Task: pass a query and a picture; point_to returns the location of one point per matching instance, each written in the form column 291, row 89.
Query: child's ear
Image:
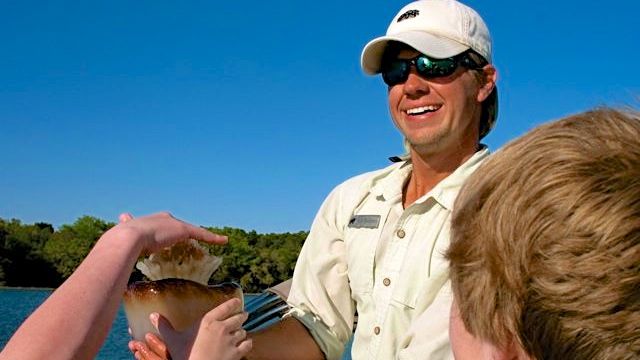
column 513, row 351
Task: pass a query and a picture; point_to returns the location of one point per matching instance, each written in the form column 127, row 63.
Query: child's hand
column 218, row 335
column 160, row 230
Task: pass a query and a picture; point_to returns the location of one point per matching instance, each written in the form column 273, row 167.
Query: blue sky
column 247, row 113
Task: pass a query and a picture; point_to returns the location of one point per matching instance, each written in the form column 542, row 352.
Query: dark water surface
column 17, row 304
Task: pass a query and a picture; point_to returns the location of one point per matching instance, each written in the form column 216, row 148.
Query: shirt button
column 400, row 233
column 376, row 330
column 386, row 281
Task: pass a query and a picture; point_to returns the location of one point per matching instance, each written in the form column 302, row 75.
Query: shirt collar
column 389, row 184
column 446, row 191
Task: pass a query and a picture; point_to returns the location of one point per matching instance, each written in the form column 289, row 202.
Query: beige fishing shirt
column 366, row 253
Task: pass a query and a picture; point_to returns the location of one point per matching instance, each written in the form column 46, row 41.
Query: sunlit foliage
column 37, row 255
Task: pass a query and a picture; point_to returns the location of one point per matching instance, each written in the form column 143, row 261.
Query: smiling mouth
column 423, row 110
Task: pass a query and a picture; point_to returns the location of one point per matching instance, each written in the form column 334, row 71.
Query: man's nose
column 415, row 84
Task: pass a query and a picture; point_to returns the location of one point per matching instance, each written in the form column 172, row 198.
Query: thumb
column 163, row 325
column 178, row 344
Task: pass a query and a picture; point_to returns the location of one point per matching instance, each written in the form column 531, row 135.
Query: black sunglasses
column 397, row 71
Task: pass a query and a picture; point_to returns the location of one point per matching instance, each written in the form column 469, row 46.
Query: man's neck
column 429, row 169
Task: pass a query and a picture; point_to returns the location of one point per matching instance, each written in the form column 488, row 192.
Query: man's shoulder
column 351, row 192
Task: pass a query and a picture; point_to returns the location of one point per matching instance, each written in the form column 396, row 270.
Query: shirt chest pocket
column 425, row 268
column 417, row 287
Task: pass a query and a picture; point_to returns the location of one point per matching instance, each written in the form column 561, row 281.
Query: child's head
column 545, row 251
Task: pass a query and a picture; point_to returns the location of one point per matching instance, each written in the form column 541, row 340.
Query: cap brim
column 424, row 42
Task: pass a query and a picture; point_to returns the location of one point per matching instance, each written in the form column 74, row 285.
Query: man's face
column 440, row 114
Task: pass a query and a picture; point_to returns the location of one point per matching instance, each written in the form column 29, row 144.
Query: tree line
column 37, row 255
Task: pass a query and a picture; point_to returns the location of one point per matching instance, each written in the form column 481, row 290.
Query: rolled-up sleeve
column 320, row 295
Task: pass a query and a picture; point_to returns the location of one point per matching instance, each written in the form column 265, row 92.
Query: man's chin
column 426, row 145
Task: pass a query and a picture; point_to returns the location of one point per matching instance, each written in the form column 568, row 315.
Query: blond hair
column 545, row 244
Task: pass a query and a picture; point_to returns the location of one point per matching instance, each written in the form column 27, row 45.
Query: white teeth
column 422, row 109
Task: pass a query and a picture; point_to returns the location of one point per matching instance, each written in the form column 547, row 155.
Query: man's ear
column 488, row 82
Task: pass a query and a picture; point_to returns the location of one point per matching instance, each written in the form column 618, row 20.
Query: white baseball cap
column 437, row 28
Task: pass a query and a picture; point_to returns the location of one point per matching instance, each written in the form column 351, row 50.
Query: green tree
column 71, row 243
column 4, row 258
column 37, row 255
column 237, row 257
column 278, row 254
column 21, row 258
column 256, row 261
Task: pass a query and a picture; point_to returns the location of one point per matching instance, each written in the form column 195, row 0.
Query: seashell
column 187, row 260
column 177, row 288
column 181, row 301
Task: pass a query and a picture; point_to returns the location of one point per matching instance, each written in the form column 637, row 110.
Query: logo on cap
column 408, row 15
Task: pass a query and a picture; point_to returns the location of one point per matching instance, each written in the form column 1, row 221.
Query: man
column 545, row 249
column 376, row 245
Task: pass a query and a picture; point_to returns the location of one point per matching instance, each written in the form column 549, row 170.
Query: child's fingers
column 165, row 329
column 238, row 335
column 235, row 322
column 245, row 346
column 223, row 311
column 124, row 217
column 198, row 233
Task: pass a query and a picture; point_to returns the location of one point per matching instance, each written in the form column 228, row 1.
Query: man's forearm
column 286, row 340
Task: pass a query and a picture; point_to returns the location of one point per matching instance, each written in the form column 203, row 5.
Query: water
column 17, row 304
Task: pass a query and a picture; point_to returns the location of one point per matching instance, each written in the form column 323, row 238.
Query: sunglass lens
column 424, row 66
column 396, row 72
column 431, row 68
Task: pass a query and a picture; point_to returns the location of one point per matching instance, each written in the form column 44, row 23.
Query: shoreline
column 25, row 288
